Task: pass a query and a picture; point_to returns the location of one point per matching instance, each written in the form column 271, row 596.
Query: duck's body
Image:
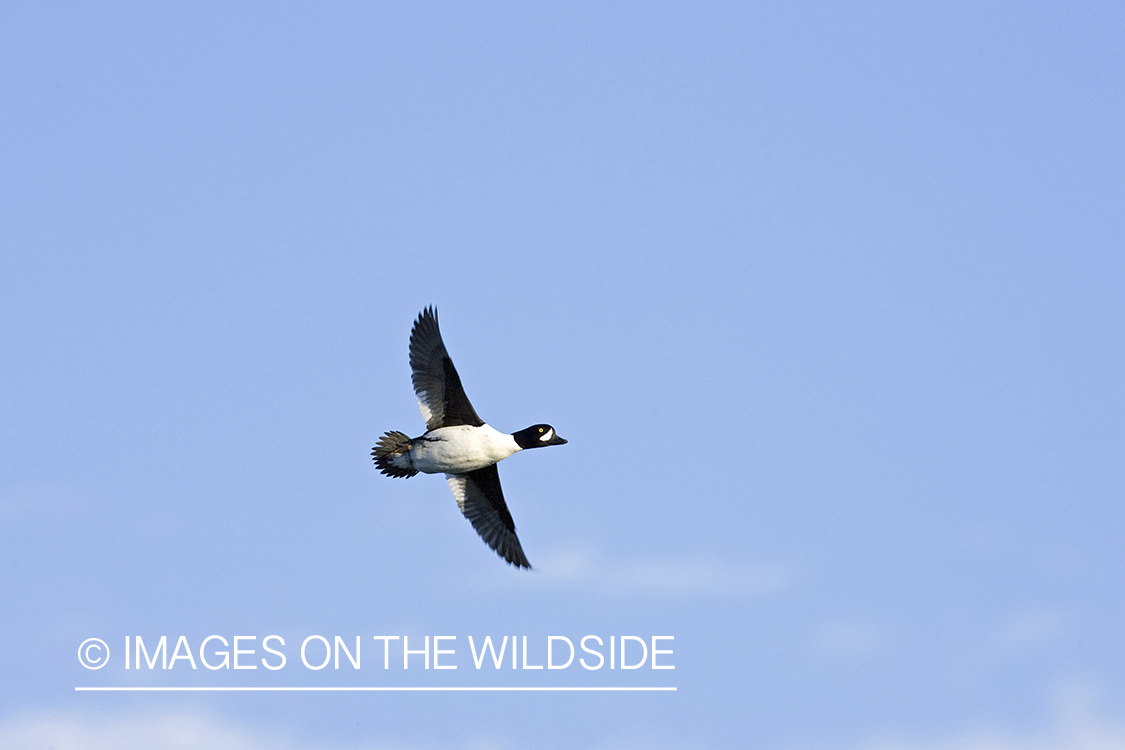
column 458, row 443
column 455, row 450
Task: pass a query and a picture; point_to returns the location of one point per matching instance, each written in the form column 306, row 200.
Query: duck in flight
column 458, row 443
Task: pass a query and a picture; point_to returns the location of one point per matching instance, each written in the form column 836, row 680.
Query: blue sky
column 827, row 300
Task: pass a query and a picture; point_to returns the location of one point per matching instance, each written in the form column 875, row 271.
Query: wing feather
column 441, row 398
column 481, row 500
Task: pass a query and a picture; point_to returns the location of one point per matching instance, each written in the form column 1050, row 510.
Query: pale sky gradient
column 828, row 300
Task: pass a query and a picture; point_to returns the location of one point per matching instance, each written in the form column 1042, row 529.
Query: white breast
column 456, row 450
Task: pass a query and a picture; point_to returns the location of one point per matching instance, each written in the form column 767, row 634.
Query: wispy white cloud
column 1076, row 727
column 1088, row 738
column 685, row 576
column 1014, row 637
column 159, row 731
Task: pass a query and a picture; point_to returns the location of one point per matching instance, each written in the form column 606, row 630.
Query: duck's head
column 537, row 436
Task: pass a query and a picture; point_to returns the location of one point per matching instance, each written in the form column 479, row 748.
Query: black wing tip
column 519, row 564
column 511, row 550
column 512, row 554
column 425, row 338
column 504, row 543
column 426, row 321
column 428, row 314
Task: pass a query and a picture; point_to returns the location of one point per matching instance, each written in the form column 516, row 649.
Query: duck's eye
column 540, row 429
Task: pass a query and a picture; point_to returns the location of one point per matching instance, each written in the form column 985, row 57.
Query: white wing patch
column 457, row 484
column 427, row 412
column 547, row 435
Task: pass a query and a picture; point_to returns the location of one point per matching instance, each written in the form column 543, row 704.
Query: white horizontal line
column 377, row 689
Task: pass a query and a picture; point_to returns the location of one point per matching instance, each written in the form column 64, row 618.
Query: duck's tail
column 389, row 454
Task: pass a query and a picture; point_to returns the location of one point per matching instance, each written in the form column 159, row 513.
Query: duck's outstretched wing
column 441, row 398
column 480, row 498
